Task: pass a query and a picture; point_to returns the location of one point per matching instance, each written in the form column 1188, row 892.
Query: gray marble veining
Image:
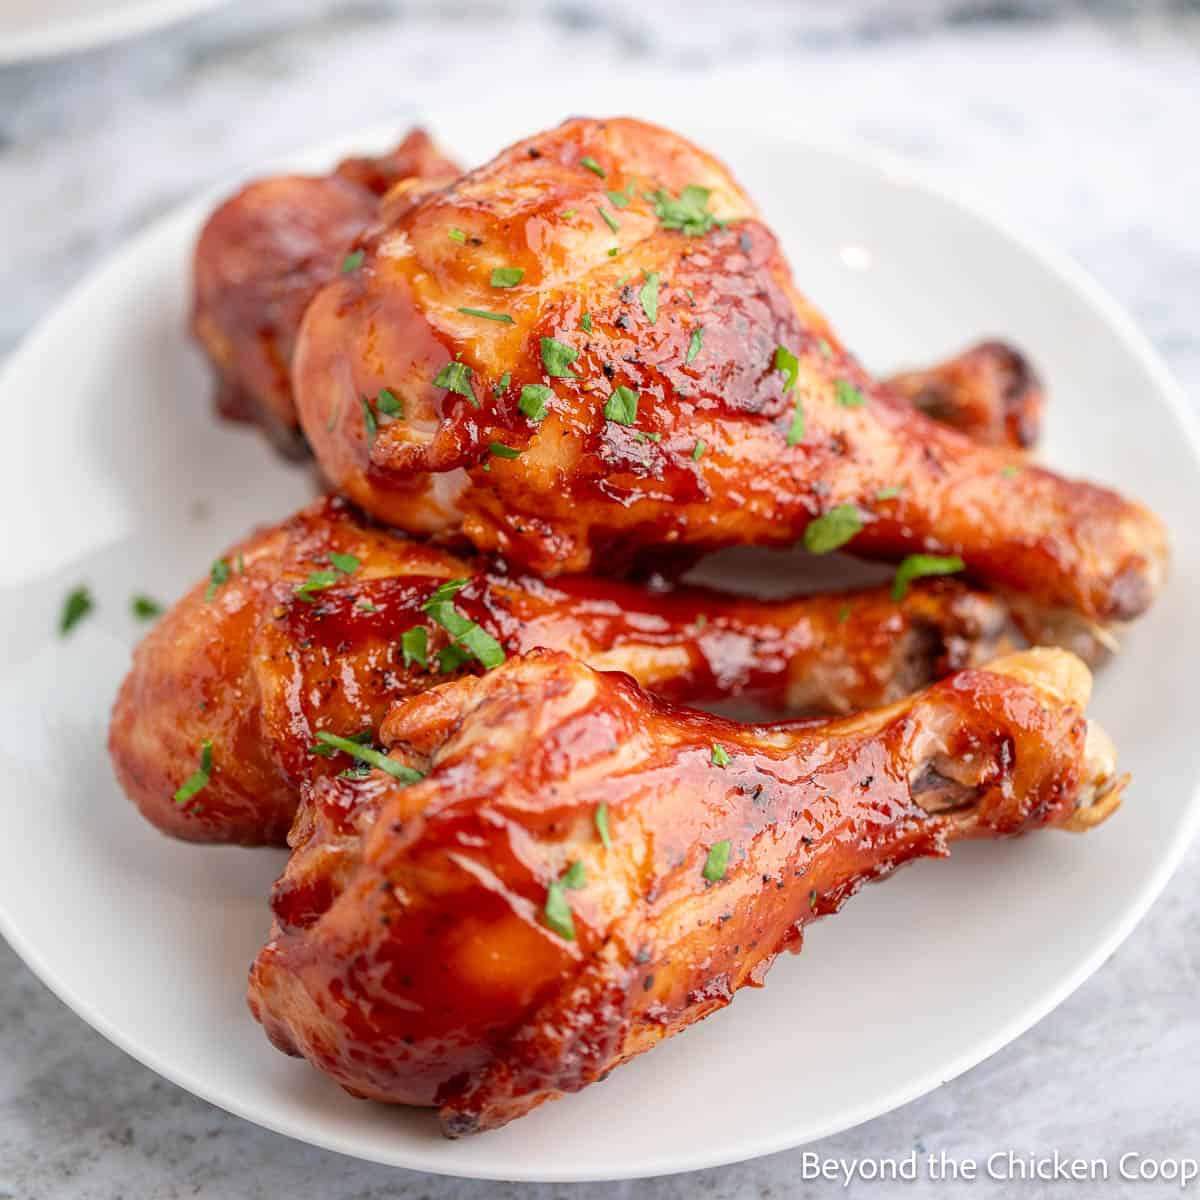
column 1079, row 119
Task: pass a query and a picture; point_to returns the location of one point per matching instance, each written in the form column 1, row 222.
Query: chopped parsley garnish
column 558, row 911
column 506, row 277
column 698, row 449
column 833, row 529
column 689, row 213
column 346, row 563
column 786, row 362
column 614, row 252
column 365, row 605
column 585, row 322
column 369, row 422
column 609, row 219
column 389, row 403
column 643, row 436
column 695, row 345
column 592, row 165
column 619, row 199
column 533, row 401
column 352, row 262
column 487, row 315
column 568, row 213
column 917, row 566
column 197, row 781
column 1011, row 470
column 843, row 614
column 889, row 493
column 414, row 645
column 456, row 377
column 812, row 899
column 502, row 383
column 317, row 581
column 218, row 574
column 848, row 396
column 364, row 737
column 77, row 605
column 451, row 657
column 720, row 756
column 469, row 636
column 717, row 862
column 557, row 358
column 370, row 756
column 622, row 406
column 334, row 409
column 145, row 608
column 575, row 876
column 602, row 826
column 825, row 348
column 500, row 450
column 649, row 296
column 457, row 235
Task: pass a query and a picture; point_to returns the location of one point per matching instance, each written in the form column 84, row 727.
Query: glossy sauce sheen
column 258, row 670
column 586, row 492
column 412, row 958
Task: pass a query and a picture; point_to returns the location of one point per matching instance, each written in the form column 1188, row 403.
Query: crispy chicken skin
column 437, row 944
column 257, row 669
column 687, row 302
column 264, row 253
column 990, row 392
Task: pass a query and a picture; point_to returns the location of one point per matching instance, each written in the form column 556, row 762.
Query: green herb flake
column 698, row 449
column 218, row 576
column 601, row 820
column 334, row 410
column 469, row 636
column 456, row 235
column 534, row 399
column 487, row 315
column 506, row 277
column 197, row 781
column 568, row 213
column 557, row 358
column 695, row 345
column 812, row 899
column 585, row 322
column 317, row 581
column 843, row 614
column 918, row 566
column 502, row 384
column 370, row 756
column 389, row 403
column 825, row 348
column 76, row 606
column 592, row 165
column 365, row 605
column 786, row 362
column 643, row 436
column 688, row 213
column 622, row 406
column 414, row 645
column 558, row 911
column 833, row 529
column 575, row 876
column 456, row 377
column 720, row 756
column 649, row 297
column 614, row 252
column 346, row 563
column 717, row 862
column 500, row 450
column 451, row 657
column 369, row 422
column 618, row 199
column 609, row 219
column 889, row 493
column 848, row 396
column 352, row 262
column 145, row 608
column 1011, row 470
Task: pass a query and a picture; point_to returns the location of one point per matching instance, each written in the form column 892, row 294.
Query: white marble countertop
column 1080, row 120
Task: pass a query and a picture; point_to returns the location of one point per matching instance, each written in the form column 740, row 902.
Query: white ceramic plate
column 114, row 472
column 39, row 28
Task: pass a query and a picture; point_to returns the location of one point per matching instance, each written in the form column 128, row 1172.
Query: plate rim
column 894, row 169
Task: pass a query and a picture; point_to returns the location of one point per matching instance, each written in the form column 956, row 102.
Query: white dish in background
column 39, row 28
column 114, row 471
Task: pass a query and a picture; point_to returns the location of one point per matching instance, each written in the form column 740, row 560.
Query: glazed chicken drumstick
column 325, row 621
column 265, row 252
column 590, row 353
column 577, row 870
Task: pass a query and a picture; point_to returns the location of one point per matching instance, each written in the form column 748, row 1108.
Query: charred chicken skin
column 306, row 632
column 265, row 252
column 604, row 305
column 262, row 256
column 580, row 870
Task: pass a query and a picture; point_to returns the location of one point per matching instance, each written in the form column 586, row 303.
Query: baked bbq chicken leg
column 265, row 252
column 590, row 353
column 262, row 256
column 578, row 870
column 325, row 621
